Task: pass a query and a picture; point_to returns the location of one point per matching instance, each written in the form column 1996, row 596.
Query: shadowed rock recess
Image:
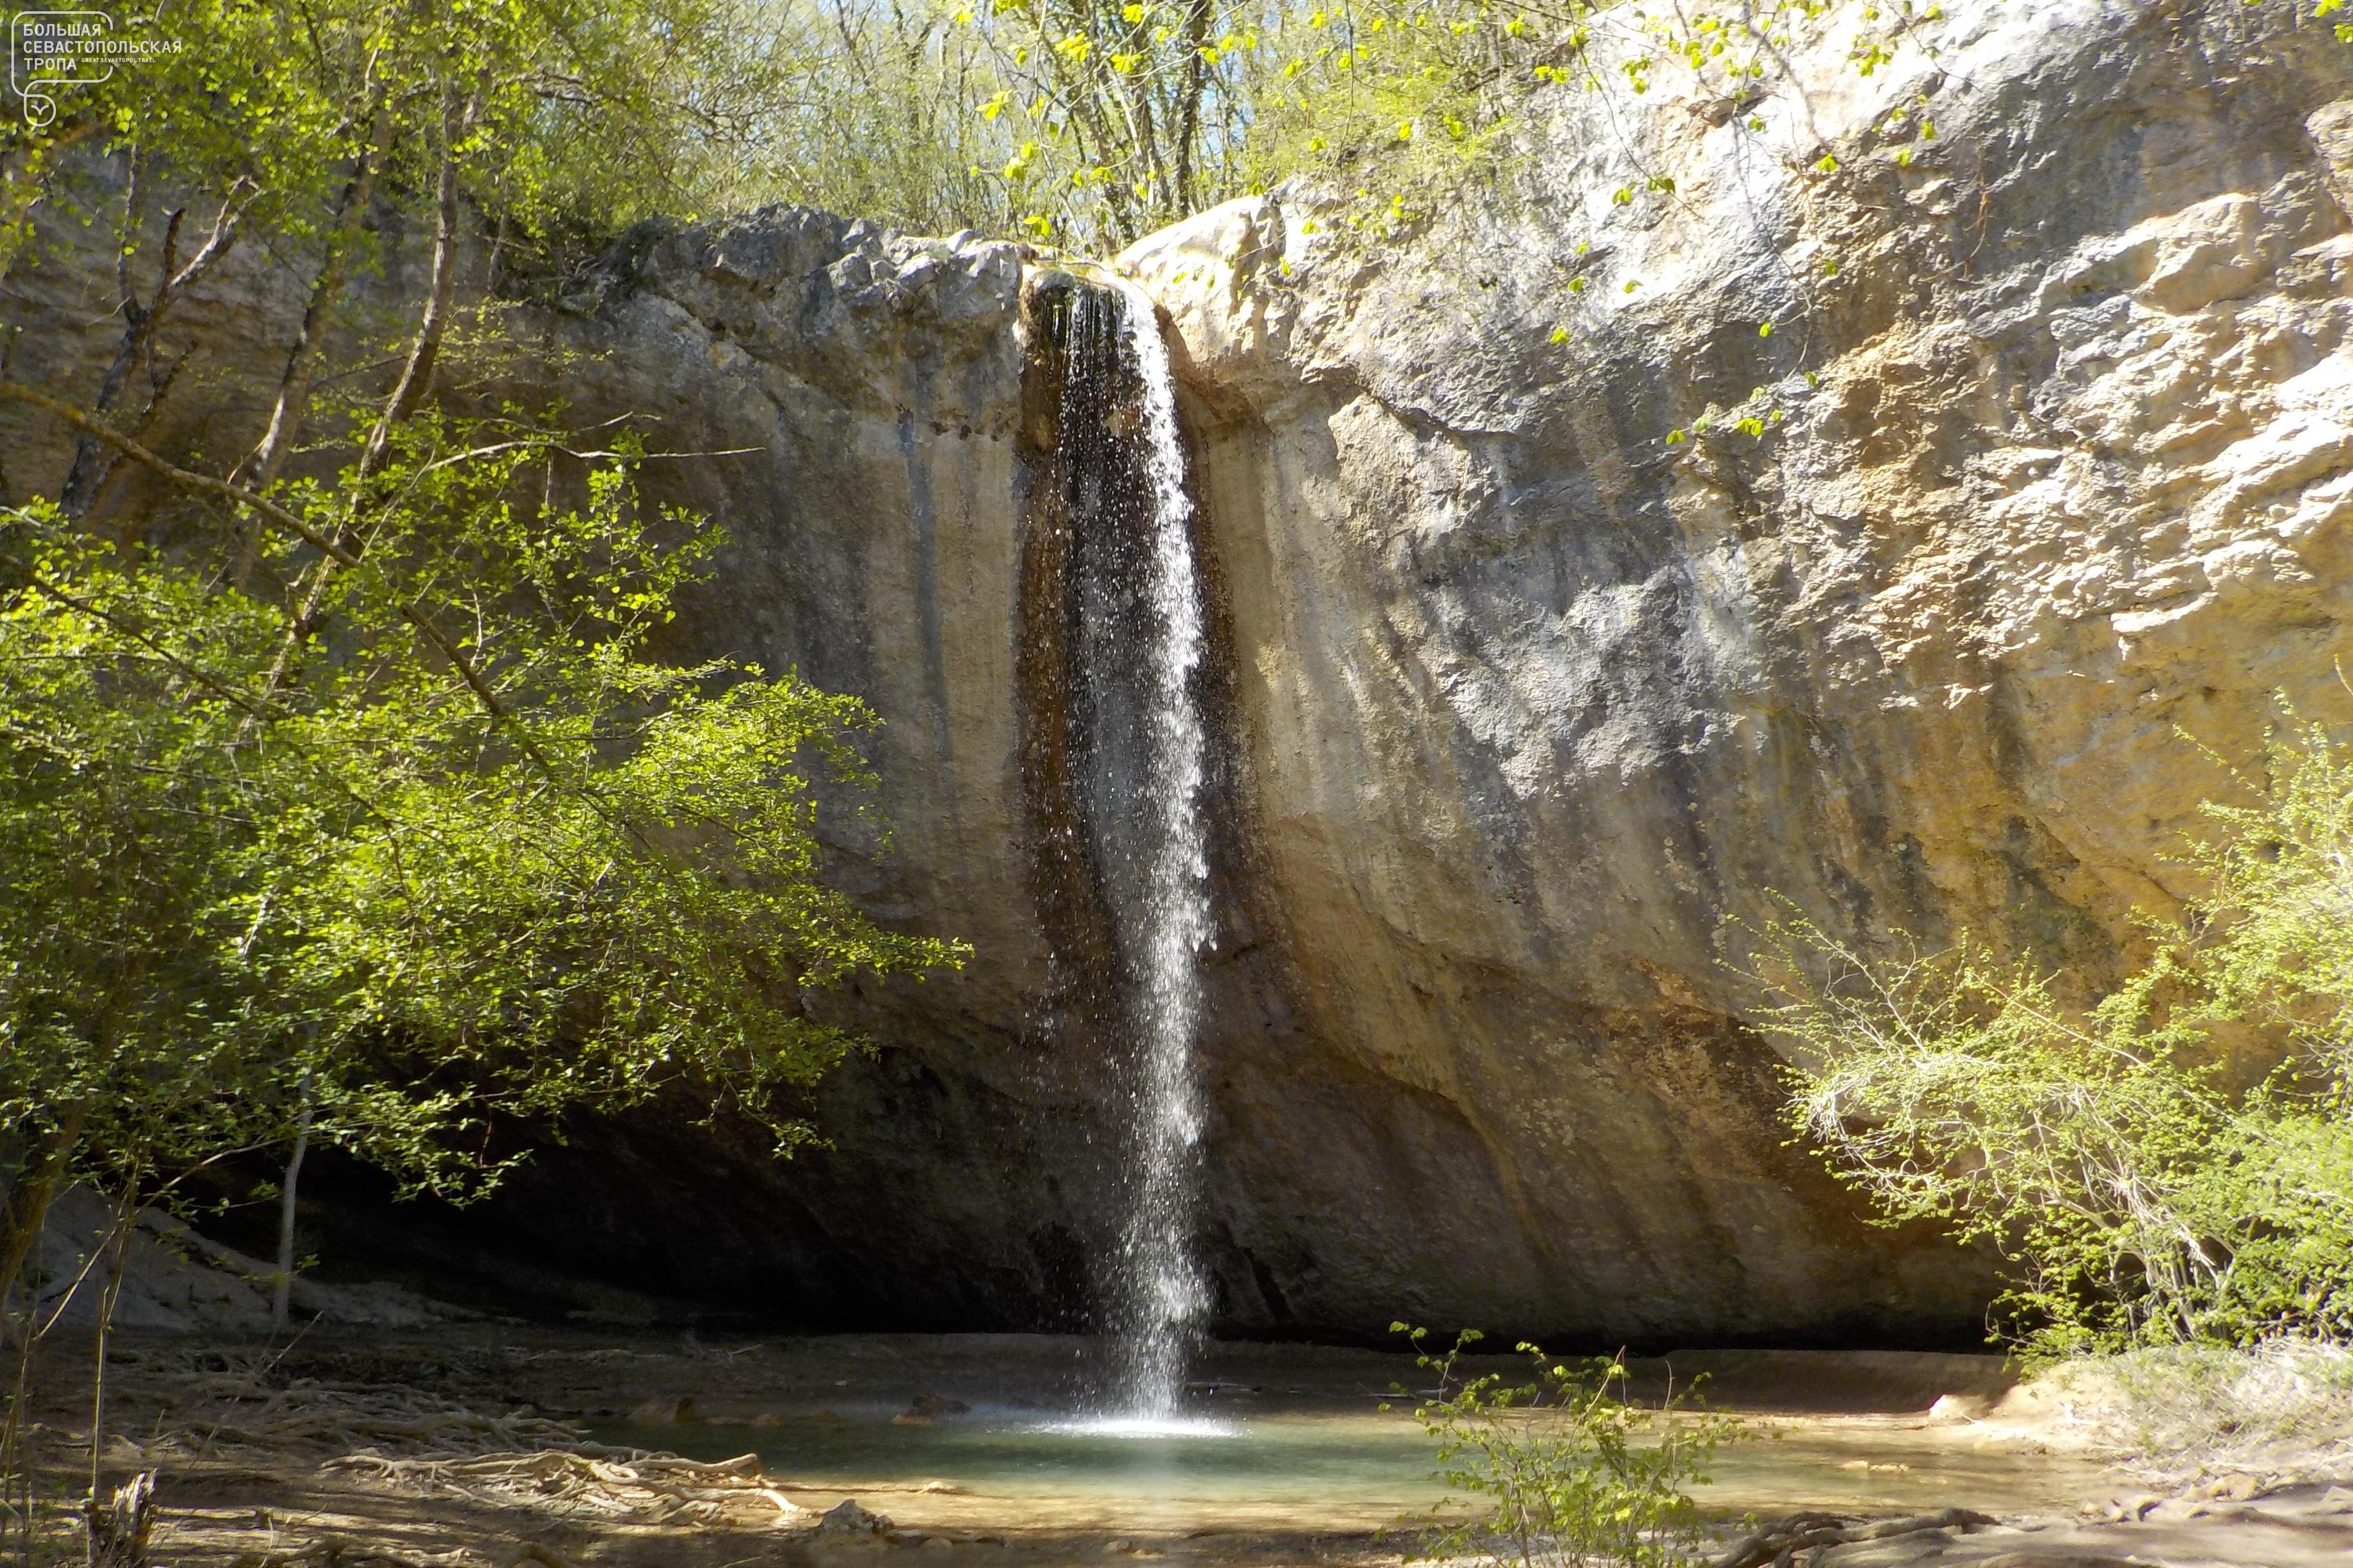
column 1514, row 702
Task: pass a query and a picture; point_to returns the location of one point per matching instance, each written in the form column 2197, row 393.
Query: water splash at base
column 1146, row 1426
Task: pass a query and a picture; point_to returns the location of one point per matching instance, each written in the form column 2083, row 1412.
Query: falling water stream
column 1139, row 642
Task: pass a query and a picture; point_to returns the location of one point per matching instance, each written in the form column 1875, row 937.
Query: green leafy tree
column 405, row 661
column 342, row 795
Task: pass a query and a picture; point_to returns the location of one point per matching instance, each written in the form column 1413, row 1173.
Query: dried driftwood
column 438, row 1446
column 586, row 1478
column 238, row 1409
column 1778, row 1545
column 429, row 1444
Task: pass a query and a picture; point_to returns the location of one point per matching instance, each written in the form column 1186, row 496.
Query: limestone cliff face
column 1410, row 1116
column 1536, row 695
column 1517, row 701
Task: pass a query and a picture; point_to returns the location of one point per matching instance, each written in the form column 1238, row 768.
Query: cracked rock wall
column 2052, row 489
column 1518, row 700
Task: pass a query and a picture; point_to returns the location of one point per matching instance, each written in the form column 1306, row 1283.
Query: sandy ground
column 487, row 1447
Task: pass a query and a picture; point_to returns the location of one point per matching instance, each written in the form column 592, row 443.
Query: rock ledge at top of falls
column 841, row 306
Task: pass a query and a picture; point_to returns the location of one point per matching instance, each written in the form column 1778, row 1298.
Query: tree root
column 1778, row 1545
column 327, row 1551
column 592, row 1478
column 237, row 1408
column 423, row 1442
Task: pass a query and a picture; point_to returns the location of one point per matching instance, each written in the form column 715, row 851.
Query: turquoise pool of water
column 1318, row 1453
column 1309, row 1462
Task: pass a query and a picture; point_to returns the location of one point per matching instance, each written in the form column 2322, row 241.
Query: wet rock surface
column 2309, row 1523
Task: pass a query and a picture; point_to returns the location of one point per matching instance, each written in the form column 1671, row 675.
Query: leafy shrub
column 1576, row 1472
column 2143, row 1198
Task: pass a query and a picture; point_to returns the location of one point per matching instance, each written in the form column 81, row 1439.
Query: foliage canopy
column 343, row 787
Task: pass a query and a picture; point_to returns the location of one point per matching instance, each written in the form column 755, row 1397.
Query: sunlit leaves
column 1570, row 1467
column 2141, row 1197
column 365, row 879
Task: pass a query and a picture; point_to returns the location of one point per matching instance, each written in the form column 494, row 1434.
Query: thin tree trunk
column 260, row 468
column 15, row 1444
column 93, row 460
column 286, row 416
column 282, row 1292
column 27, row 1209
column 1086, row 109
column 115, row 1531
column 27, row 1215
column 1140, row 117
column 415, row 378
column 118, row 1240
column 1188, row 115
column 416, row 374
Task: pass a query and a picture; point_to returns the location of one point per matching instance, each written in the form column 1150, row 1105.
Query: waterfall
column 1138, row 642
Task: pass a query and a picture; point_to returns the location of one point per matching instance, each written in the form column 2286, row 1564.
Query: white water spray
column 1169, row 1295
column 1138, row 645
